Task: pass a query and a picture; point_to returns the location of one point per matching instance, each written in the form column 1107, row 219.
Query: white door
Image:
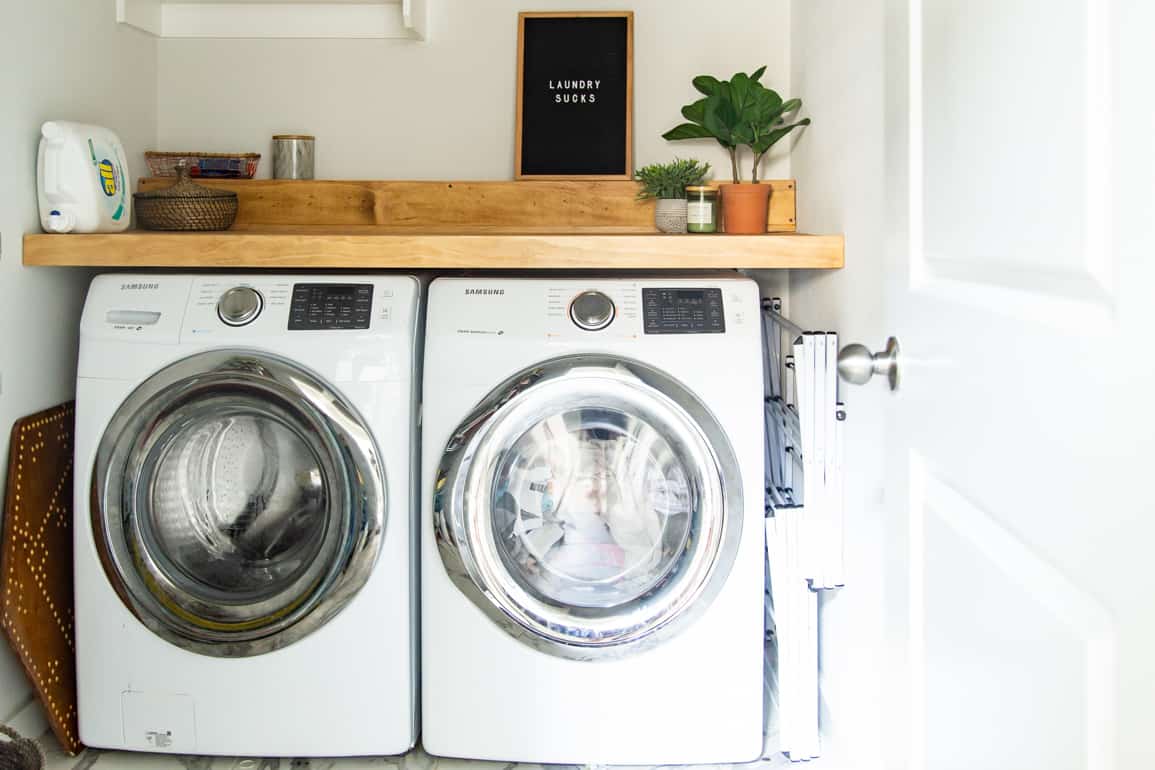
column 993, row 169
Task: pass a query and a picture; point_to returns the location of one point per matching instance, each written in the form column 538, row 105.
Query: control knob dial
column 592, row 311
column 240, row 305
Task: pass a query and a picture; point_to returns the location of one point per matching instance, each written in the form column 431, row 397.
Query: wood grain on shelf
column 456, row 225
column 451, row 248
column 569, row 205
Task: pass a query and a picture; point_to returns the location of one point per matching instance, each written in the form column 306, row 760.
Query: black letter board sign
column 575, row 92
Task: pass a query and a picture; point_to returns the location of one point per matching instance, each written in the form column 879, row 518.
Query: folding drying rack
column 804, row 445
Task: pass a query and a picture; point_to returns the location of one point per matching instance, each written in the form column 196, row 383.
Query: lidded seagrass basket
column 186, row 206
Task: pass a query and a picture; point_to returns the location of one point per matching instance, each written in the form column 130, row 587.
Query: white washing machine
column 245, row 575
column 592, row 535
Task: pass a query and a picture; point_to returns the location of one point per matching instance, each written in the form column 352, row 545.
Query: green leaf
column 756, row 75
column 717, row 127
column 790, row 106
column 744, row 134
column 769, row 140
column 707, row 84
column 725, row 92
column 767, row 105
column 696, row 112
column 740, row 91
column 687, row 131
column 778, row 116
column 721, row 119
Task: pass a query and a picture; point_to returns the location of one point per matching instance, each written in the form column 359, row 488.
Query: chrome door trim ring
column 465, row 542
column 359, row 508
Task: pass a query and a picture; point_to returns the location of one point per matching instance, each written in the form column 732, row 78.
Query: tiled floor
column 125, row 760
column 414, row 760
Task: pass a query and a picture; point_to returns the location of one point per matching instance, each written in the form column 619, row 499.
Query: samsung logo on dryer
column 485, row 292
column 139, row 286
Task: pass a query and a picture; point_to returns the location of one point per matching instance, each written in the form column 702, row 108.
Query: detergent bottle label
column 111, row 178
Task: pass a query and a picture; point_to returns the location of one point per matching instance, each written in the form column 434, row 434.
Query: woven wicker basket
column 186, row 206
column 19, row 753
column 204, row 164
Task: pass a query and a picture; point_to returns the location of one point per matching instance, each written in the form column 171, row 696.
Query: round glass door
column 591, row 508
column 239, row 503
column 583, row 506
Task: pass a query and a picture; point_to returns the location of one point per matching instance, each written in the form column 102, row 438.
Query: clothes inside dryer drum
column 238, row 506
column 591, row 508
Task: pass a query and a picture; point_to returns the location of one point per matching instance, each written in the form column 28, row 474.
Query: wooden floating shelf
column 569, row 224
column 370, row 249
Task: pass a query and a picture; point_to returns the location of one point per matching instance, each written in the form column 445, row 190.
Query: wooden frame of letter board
column 629, row 17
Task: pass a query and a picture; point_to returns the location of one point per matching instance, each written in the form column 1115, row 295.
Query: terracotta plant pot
column 744, row 208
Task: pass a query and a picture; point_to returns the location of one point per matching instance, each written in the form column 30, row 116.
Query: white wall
column 391, row 109
column 63, row 59
column 837, row 52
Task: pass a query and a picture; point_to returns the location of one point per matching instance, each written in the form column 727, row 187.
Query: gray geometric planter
column 670, row 215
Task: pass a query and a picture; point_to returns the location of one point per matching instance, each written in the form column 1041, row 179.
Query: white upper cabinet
column 405, row 19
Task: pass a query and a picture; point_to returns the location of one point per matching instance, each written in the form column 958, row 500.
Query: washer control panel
column 683, row 311
column 331, row 306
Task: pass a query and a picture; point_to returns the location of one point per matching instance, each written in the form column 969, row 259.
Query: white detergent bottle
column 83, row 179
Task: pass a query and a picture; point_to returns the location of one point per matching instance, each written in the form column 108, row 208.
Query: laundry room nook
column 442, row 384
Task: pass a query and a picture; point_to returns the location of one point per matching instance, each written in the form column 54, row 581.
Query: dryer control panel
column 694, row 310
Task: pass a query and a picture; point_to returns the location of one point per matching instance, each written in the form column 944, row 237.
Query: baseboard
column 28, row 719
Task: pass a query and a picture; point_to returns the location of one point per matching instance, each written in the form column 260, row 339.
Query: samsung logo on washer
column 485, row 292
column 139, row 286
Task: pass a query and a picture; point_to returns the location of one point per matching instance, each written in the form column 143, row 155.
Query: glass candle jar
column 702, row 209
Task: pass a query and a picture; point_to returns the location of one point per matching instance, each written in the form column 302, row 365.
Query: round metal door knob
column 857, row 365
column 240, row 305
column 592, row 311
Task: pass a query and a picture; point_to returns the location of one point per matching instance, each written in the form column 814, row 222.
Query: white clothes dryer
column 245, row 582
column 592, row 536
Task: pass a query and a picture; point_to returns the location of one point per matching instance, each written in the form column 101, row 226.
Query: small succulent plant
column 669, row 180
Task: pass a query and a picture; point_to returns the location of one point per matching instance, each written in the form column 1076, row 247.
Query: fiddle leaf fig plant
column 739, row 112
